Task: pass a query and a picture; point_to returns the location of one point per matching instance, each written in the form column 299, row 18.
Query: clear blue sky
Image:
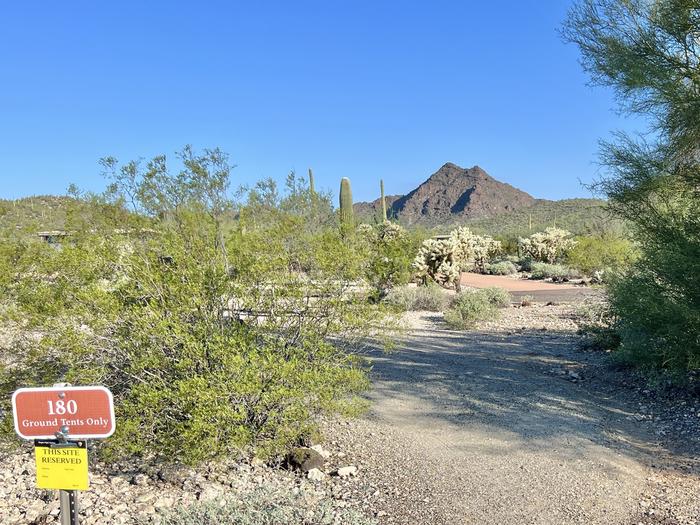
column 358, row 89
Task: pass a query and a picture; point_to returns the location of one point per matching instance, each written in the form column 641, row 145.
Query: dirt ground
column 513, row 424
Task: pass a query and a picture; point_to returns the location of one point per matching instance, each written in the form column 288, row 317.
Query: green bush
column 213, row 344
column 415, row 298
column 472, row 306
column 658, row 328
column 501, row 268
column 555, row 272
column 602, row 253
column 389, row 251
column 497, row 296
column 264, row 507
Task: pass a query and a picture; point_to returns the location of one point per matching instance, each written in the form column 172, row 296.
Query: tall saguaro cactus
column 347, row 220
column 381, row 188
column 312, row 187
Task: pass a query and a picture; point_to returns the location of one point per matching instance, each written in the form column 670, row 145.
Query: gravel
column 512, row 423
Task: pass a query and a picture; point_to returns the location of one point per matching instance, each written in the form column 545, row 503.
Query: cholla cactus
column 390, row 231
column 473, row 252
column 435, row 260
column 547, row 246
column 365, row 230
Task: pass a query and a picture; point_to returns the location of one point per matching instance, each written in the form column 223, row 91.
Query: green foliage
column 214, row 338
column 501, row 268
column 596, row 325
column 646, row 52
column 418, row 298
column 579, row 216
column 497, row 296
column 472, row 306
column 599, row 254
column 347, row 219
column 388, row 250
column 658, row 327
column 555, row 272
column 264, row 507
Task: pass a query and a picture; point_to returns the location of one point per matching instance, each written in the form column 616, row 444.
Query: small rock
column 320, row 450
column 315, row 475
column 305, row 459
column 345, row 472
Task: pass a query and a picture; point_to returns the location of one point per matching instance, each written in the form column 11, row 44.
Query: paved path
column 489, row 428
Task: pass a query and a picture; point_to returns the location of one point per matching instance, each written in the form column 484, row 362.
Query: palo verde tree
column 648, row 51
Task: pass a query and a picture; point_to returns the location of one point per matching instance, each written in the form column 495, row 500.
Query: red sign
column 79, row 411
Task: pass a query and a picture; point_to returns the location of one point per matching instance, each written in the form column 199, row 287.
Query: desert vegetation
column 211, row 320
column 646, row 52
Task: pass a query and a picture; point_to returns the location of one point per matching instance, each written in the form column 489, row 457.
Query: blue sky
column 361, row 89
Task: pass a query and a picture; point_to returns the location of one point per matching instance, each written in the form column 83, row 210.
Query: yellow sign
column 61, row 467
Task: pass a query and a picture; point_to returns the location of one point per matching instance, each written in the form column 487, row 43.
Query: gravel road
column 512, row 424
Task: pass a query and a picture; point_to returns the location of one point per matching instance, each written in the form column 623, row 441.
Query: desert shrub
column 414, row 298
column 548, row 246
column 213, row 343
column 509, row 245
column 501, row 268
column 658, row 328
column 264, row 507
column 596, row 324
column 601, row 254
column 497, row 296
column 556, row 272
column 472, row 306
column 389, row 250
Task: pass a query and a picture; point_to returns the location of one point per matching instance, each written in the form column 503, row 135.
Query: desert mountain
column 452, row 193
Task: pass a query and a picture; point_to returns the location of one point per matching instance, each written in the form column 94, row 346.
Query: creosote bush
column 472, row 306
column 501, row 268
column 415, row 298
column 555, row 272
column 388, row 251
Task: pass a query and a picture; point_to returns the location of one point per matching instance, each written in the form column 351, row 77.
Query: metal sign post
column 69, row 507
column 68, row 499
column 59, row 419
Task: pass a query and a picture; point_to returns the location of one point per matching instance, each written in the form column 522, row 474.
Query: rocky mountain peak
column 453, row 192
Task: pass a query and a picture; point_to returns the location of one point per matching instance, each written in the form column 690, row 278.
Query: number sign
column 85, row 411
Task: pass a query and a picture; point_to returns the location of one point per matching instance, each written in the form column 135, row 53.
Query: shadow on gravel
column 510, row 384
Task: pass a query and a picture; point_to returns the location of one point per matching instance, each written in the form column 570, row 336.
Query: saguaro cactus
column 312, row 188
column 381, row 187
column 347, row 219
